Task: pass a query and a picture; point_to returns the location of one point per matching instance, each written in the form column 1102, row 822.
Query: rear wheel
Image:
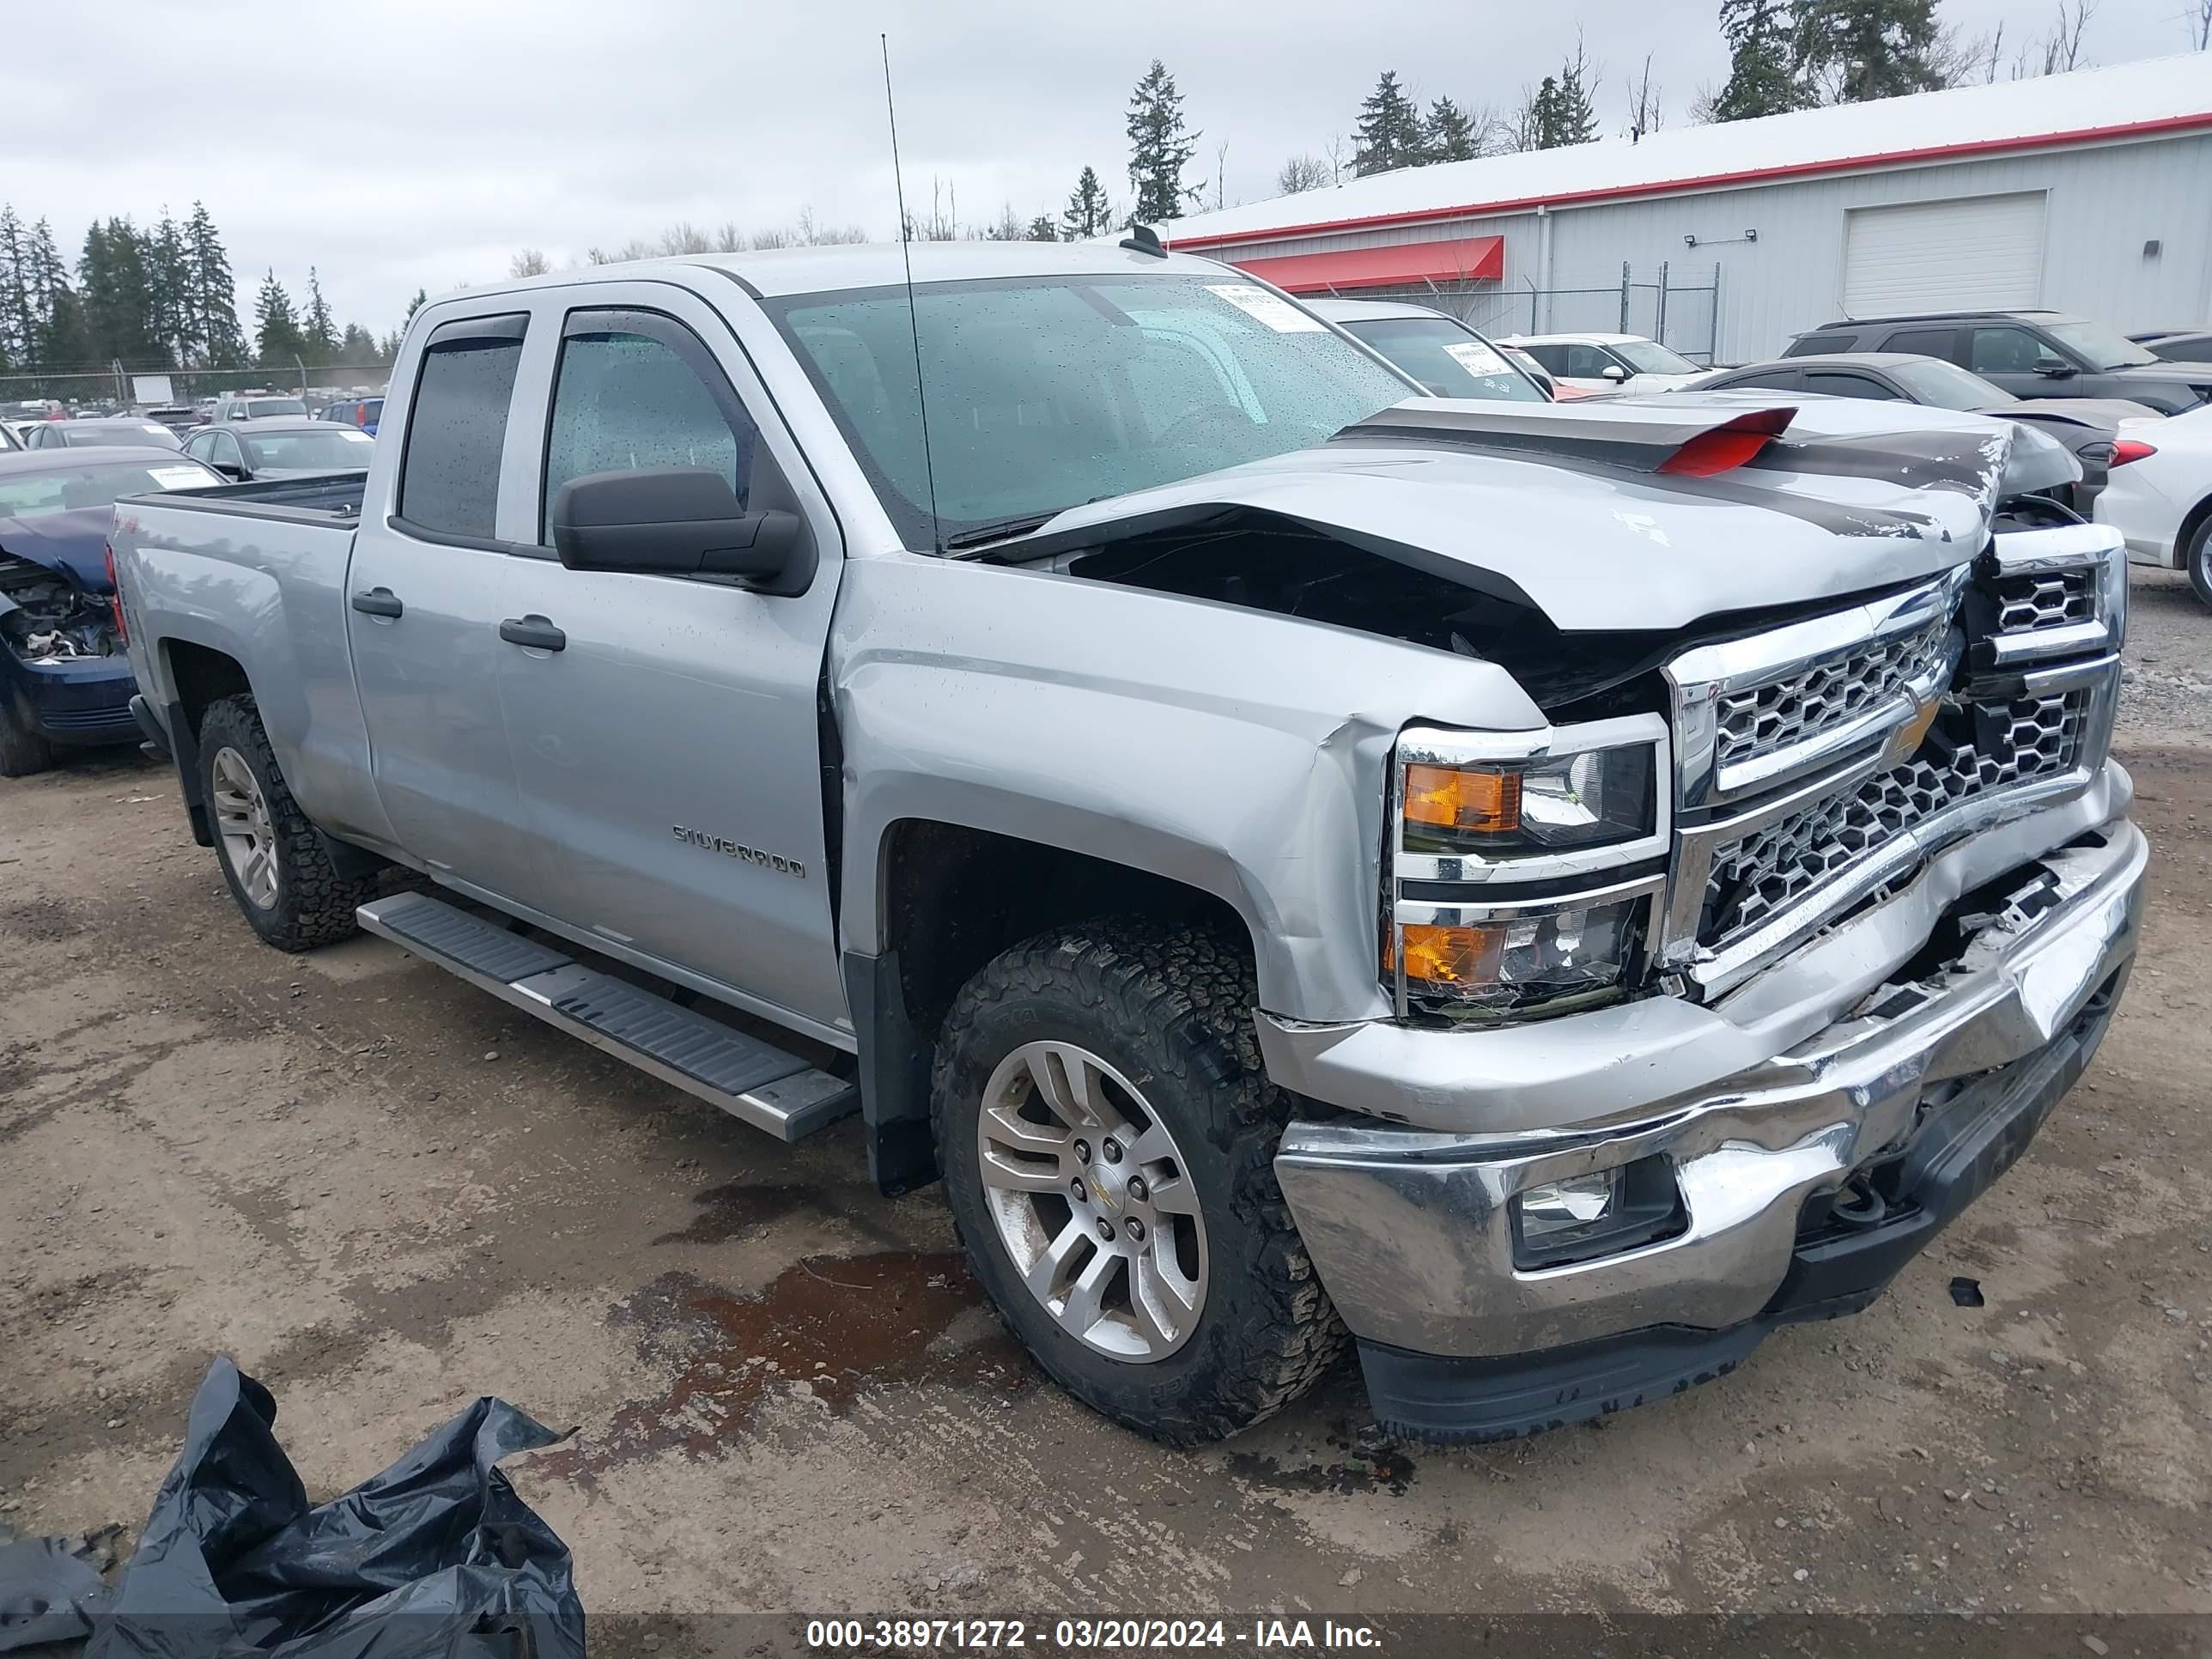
column 1108, row 1138
column 272, row 859
column 2200, row 561
column 22, row 751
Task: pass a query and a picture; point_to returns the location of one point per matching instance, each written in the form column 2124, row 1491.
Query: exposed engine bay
column 45, row 617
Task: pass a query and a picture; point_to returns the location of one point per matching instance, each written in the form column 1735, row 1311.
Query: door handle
column 534, row 631
column 378, row 601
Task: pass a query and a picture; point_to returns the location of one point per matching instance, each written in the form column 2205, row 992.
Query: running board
column 746, row 1078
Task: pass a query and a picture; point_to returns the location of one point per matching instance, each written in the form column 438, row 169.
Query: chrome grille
column 1761, row 874
column 1760, row 721
column 2051, row 598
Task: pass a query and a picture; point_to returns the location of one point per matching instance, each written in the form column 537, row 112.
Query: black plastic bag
column 434, row 1558
column 47, row 1592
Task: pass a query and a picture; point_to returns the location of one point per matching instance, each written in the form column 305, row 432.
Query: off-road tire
column 2199, row 560
column 314, row 904
column 22, row 752
column 1171, row 1009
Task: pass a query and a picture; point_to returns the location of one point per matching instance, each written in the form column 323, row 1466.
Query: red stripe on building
column 1708, row 181
column 1465, row 258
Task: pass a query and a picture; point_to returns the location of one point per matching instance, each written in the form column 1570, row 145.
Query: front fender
column 1235, row 752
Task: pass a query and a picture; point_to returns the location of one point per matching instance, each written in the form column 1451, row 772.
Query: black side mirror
column 2056, row 368
column 668, row 521
column 230, row 470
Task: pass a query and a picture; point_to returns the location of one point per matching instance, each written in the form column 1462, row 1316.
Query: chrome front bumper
column 1768, row 1098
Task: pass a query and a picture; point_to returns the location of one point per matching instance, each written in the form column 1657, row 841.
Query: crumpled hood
column 74, row 544
column 1855, row 495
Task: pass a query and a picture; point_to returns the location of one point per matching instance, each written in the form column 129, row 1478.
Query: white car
column 1607, row 362
column 2161, row 494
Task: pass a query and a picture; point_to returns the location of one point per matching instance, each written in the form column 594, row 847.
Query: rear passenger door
column 1942, row 342
column 426, row 593
column 669, row 750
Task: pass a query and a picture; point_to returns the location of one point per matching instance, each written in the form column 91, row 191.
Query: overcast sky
column 401, row 144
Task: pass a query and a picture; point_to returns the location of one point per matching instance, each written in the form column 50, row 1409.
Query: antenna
column 913, row 323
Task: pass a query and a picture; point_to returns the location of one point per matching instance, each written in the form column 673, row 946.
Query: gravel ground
column 385, row 1194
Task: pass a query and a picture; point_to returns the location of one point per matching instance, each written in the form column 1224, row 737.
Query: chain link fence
column 118, row 384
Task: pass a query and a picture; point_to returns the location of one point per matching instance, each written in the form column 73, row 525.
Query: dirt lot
column 385, row 1194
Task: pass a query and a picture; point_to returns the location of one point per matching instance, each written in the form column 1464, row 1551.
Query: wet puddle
column 737, row 1209
column 828, row 1327
column 1365, row 1463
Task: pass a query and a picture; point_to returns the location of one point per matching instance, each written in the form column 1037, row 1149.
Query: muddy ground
column 386, row 1194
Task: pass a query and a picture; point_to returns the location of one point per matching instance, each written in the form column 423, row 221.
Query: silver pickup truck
column 1543, row 893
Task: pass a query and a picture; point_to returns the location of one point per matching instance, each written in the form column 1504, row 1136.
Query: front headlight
column 1482, row 818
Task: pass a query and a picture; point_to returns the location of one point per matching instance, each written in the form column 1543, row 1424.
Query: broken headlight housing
column 1525, row 866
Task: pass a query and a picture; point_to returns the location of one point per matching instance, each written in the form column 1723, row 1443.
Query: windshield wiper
column 1000, row 529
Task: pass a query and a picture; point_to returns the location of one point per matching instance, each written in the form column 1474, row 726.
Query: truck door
column 668, row 751
column 426, row 592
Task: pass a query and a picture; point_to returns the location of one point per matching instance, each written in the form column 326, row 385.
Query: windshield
column 1044, row 394
column 1946, row 386
column 338, row 449
column 2096, row 344
column 258, row 407
column 150, row 435
column 1650, row 357
column 94, row 485
column 1446, row 358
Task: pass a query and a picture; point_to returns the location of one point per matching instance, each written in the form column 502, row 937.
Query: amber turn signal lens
column 1451, row 955
column 1446, row 797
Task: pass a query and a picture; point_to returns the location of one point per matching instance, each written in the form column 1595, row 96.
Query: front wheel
column 274, row 863
column 1108, row 1138
column 2200, row 561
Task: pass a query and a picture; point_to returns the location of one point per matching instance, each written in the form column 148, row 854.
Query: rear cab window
column 457, row 427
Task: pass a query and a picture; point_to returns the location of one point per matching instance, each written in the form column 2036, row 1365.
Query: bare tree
column 1302, row 173
column 530, row 262
column 1339, row 151
column 1220, row 175
column 684, row 237
column 2062, row 47
column 728, row 239
column 769, row 238
column 1488, row 127
column 1522, row 129
column 633, row 249
column 2200, row 25
column 1644, row 114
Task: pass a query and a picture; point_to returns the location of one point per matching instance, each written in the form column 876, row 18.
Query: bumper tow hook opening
column 1857, row 1204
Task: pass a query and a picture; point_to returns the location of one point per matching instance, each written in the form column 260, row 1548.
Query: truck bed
column 329, row 498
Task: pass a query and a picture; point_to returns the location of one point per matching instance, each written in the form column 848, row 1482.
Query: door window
column 1778, row 379
column 1586, row 362
column 1846, row 385
column 1926, row 341
column 2005, row 351
column 449, row 472
column 637, row 391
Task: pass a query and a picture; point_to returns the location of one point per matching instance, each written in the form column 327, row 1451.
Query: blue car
column 363, row 412
column 63, row 677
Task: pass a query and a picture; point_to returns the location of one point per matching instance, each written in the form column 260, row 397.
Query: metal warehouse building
column 2089, row 192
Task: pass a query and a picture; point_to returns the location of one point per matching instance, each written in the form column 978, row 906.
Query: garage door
column 1936, row 256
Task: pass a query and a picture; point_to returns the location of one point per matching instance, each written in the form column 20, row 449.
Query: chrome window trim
column 1701, row 677
column 1435, row 745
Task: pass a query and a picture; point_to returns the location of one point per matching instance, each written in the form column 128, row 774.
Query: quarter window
column 449, row 475
column 1847, row 386
column 635, row 391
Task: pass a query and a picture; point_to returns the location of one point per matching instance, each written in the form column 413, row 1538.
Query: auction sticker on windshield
column 1271, row 309
column 1477, row 358
column 178, row 478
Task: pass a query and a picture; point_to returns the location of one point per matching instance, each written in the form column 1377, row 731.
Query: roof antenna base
column 1143, row 238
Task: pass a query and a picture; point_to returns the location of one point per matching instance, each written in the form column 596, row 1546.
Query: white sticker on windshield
column 1276, row 311
column 1476, row 357
column 178, row 478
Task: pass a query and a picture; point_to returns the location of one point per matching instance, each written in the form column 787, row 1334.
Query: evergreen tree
column 62, row 341
column 1763, row 79
column 1389, row 131
column 319, row 329
column 276, row 329
column 356, row 345
column 19, row 322
column 414, row 305
column 1449, row 134
column 1856, row 49
column 1160, row 147
column 211, row 296
column 1088, row 213
column 1043, row 230
column 168, row 276
column 117, row 277
column 1574, row 114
